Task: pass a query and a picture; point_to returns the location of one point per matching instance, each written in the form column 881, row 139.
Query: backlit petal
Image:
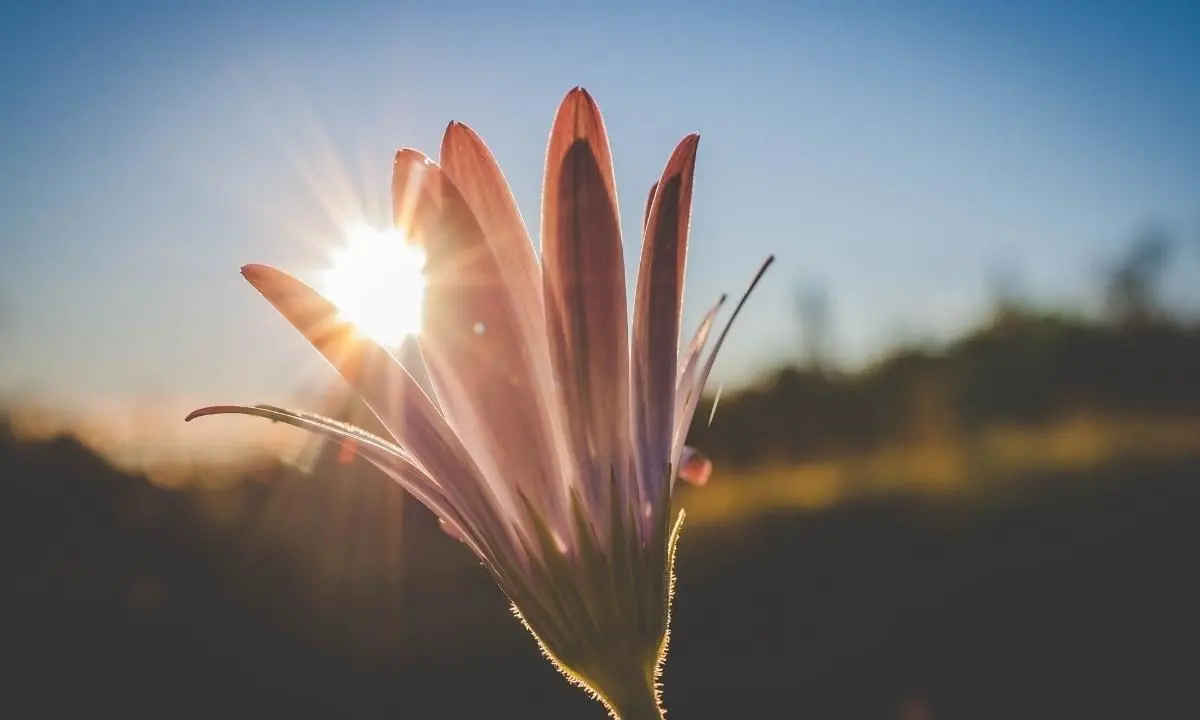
column 694, row 467
column 383, row 454
column 687, row 394
column 649, row 204
column 466, row 160
column 656, row 317
column 386, row 387
column 481, row 367
column 684, row 418
column 416, row 197
column 469, row 164
column 586, row 316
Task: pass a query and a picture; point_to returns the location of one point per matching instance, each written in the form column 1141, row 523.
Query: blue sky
column 897, row 153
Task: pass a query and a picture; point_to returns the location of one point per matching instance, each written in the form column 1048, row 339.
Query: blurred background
column 957, row 444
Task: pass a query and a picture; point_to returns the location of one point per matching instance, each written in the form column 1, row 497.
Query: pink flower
column 552, row 448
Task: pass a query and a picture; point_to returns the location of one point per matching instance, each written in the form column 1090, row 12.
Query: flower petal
column 683, row 418
column 383, row 384
column 393, row 460
column 685, row 384
column 451, row 529
column 469, row 164
column 695, row 467
column 649, row 204
column 466, row 160
column 656, row 317
column 586, row 316
column 416, row 200
column 482, row 367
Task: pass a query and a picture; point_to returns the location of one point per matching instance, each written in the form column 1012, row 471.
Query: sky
column 897, row 154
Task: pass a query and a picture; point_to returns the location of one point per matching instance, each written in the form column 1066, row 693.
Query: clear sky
column 898, row 153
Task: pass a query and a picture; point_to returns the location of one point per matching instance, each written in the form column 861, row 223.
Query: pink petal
column 386, row 387
column 686, row 392
column 700, row 376
column 695, row 467
column 656, row 316
column 416, row 195
column 649, row 204
column 389, row 458
column 469, row 164
column 466, row 160
column 480, row 362
column 584, row 275
column 452, row 530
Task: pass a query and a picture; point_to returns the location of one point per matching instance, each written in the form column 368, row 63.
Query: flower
column 552, row 449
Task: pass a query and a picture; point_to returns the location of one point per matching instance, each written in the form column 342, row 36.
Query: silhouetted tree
column 815, row 320
column 1132, row 292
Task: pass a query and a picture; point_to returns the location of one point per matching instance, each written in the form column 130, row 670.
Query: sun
column 376, row 280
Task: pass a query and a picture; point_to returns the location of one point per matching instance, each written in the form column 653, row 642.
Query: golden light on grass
column 376, row 281
column 981, row 462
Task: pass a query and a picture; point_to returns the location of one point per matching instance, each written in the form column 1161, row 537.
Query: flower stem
column 635, row 700
column 646, row 710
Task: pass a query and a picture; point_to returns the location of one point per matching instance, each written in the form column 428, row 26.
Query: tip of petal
column 459, row 137
column 578, row 99
column 457, row 126
column 264, row 411
column 257, row 274
column 695, row 468
column 213, row 410
column 411, row 155
column 688, row 145
column 201, row 412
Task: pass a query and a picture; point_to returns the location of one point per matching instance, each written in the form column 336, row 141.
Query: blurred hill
column 1137, row 360
column 1022, row 369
